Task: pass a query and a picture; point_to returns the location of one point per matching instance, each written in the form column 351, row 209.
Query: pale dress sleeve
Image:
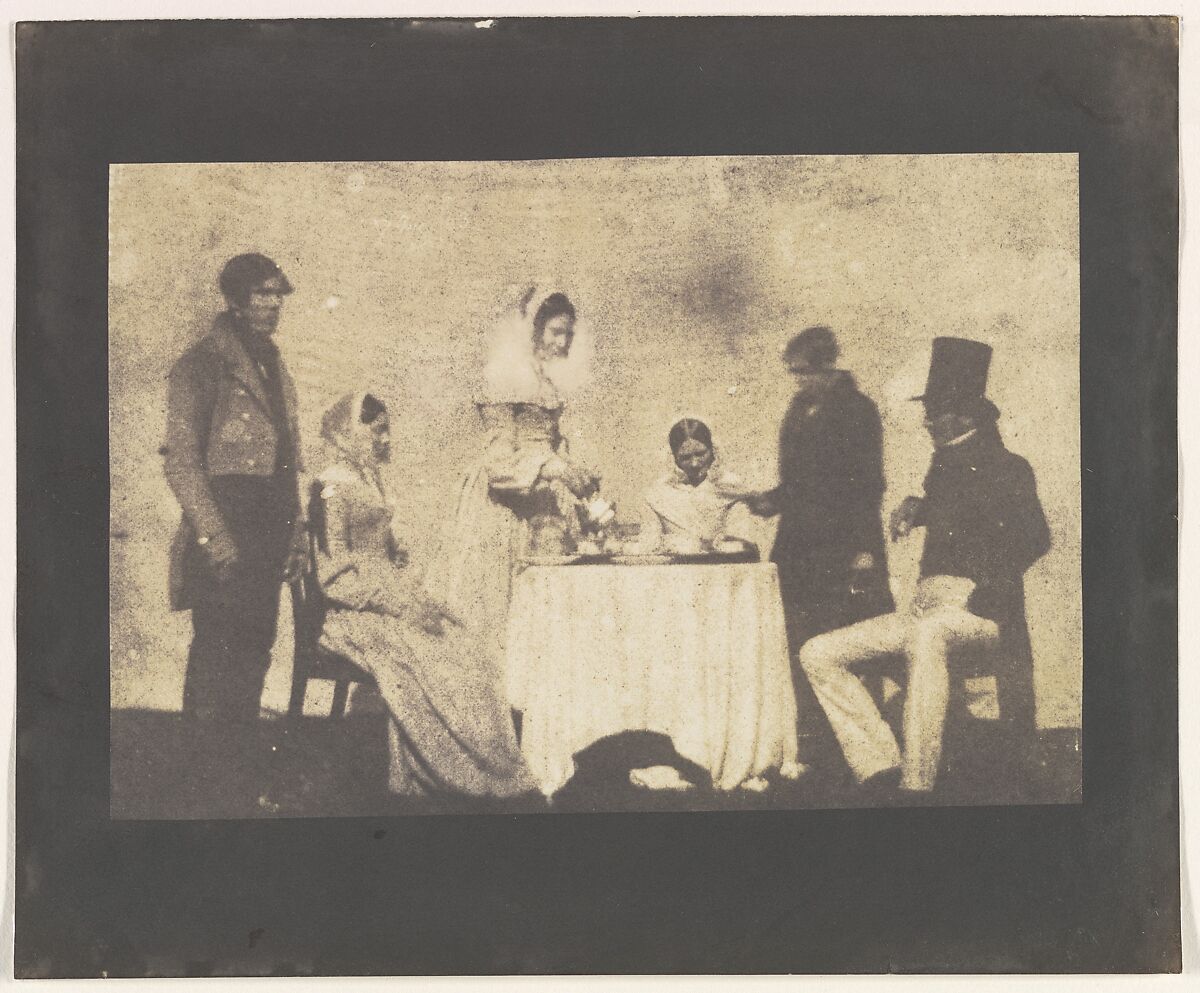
column 735, row 523
column 346, row 579
column 511, row 468
column 409, row 581
column 363, row 582
column 650, row 532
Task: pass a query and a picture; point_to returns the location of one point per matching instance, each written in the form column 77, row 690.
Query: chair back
column 309, row 660
column 308, row 602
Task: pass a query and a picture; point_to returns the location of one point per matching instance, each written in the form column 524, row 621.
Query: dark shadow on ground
column 166, row 767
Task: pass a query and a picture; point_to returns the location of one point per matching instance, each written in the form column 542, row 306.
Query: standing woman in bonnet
column 450, row 733
column 525, row 481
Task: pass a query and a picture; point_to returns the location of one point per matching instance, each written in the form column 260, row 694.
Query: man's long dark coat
column 829, row 501
column 983, row 521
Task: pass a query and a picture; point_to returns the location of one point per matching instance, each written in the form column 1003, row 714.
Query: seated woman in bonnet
column 450, row 732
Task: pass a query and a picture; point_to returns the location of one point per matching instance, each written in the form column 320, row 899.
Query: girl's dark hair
column 555, row 305
column 689, row 428
column 371, row 408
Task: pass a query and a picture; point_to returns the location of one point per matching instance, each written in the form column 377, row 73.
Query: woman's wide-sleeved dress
column 498, row 499
column 451, row 731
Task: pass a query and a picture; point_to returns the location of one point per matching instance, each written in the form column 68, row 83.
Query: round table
column 695, row 652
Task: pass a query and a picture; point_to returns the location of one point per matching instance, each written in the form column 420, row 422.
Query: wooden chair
column 310, row 660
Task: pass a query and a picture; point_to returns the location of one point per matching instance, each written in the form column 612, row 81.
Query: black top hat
column 958, row 371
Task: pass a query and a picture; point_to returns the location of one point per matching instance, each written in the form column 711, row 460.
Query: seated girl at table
column 687, row 510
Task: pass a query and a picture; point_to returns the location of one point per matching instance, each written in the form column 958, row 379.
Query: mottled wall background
column 690, row 273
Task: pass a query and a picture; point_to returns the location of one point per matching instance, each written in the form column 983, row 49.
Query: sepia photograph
column 596, row 496
column 693, row 483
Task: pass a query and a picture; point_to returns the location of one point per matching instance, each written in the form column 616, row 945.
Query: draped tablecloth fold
column 698, row 653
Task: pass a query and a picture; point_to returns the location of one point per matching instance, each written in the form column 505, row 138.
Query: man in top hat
column 232, row 457
column 984, row 527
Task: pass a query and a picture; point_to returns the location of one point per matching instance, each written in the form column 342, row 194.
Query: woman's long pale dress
column 450, row 731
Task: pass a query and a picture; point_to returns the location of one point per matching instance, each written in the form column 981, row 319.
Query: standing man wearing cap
column 984, row 527
column 829, row 546
column 232, row 458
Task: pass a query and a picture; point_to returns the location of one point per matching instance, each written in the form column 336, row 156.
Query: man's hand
column 904, row 517
column 943, row 591
column 297, row 562
column 222, row 556
column 298, row 557
column 863, row 562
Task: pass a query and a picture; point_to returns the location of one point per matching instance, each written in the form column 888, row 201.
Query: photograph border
column 1075, row 889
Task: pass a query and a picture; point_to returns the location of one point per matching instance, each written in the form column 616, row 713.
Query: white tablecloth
column 698, row 653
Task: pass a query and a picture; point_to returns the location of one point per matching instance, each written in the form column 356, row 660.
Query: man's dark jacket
column 829, row 501
column 983, row 521
column 224, row 421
